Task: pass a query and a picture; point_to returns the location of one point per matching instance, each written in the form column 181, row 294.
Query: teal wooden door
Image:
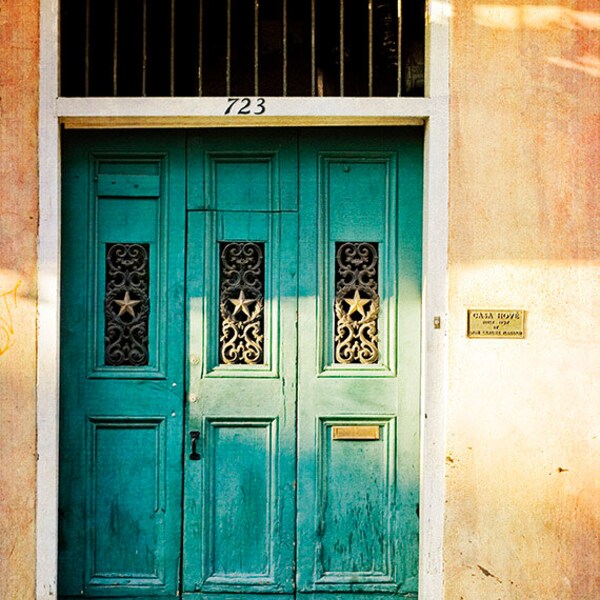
column 240, row 364
column 122, row 335
column 239, row 509
column 358, row 364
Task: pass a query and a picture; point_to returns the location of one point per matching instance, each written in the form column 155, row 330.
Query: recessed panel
column 241, row 326
column 125, row 533
column 128, row 312
column 358, row 195
column 243, row 184
column 241, row 500
column 128, row 316
column 358, row 291
column 128, row 179
column 356, row 488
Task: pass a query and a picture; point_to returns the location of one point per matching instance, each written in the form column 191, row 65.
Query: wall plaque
column 486, row 323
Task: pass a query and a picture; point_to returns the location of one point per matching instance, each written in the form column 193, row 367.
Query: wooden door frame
column 85, row 113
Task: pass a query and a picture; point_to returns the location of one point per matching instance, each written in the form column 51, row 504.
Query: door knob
column 195, row 435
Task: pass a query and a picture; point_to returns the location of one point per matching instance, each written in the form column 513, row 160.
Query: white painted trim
column 434, row 110
column 216, row 107
column 434, row 360
column 48, row 308
column 434, row 375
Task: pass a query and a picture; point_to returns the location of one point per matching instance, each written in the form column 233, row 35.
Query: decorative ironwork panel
column 126, row 305
column 241, row 48
column 241, row 303
column 356, row 302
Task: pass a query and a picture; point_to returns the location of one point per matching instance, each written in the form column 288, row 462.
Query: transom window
column 334, row 48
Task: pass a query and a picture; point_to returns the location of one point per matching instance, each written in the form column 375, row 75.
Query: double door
column 240, row 364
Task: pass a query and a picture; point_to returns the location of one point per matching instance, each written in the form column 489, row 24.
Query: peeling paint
column 488, row 573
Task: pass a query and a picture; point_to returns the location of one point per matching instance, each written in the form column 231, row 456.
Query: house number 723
column 245, row 106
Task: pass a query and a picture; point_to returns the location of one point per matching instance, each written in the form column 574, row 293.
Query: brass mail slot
column 356, row 432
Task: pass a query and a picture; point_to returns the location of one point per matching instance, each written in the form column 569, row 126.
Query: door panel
column 358, row 374
column 239, row 508
column 121, row 364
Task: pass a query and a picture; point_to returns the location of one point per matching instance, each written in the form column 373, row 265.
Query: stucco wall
column 18, row 230
column 523, row 485
column 523, row 488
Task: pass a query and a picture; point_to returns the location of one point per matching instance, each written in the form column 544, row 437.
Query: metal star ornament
column 356, row 304
column 127, row 305
column 241, row 303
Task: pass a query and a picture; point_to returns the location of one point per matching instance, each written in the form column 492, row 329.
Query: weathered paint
column 522, row 492
column 523, row 488
column 18, row 230
column 121, row 427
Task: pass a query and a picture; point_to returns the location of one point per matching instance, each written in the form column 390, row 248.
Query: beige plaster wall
column 18, row 231
column 523, row 456
column 523, row 486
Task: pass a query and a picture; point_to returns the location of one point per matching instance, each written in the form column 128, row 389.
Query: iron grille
column 242, row 47
column 241, row 303
column 356, row 303
column 126, row 305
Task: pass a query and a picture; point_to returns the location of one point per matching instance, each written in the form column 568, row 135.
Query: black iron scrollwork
column 356, row 303
column 241, row 303
column 126, row 305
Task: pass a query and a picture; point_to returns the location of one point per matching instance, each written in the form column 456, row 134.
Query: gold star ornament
column 241, row 303
column 356, row 304
column 127, row 305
